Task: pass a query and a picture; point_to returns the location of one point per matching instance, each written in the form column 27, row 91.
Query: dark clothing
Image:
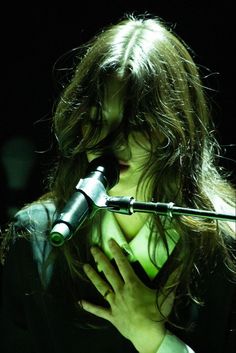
column 40, row 313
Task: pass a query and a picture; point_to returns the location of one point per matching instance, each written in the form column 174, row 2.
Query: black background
column 35, row 35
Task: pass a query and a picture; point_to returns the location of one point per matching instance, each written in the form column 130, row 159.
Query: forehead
column 113, row 100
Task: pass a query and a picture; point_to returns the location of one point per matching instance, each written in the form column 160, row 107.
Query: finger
column 97, row 281
column 112, row 276
column 96, row 310
column 122, row 262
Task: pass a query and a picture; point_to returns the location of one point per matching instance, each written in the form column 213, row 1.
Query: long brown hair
column 165, row 96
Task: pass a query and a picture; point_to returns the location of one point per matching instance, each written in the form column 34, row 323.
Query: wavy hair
column 165, row 96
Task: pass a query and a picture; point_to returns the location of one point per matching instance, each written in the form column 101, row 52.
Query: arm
column 22, row 292
column 14, row 330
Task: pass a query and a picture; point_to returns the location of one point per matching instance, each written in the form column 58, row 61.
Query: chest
column 130, row 224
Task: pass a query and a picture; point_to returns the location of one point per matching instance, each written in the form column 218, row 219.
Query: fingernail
column 112, row 242
column 86, row 267
column 80, row 302
column 94, row 250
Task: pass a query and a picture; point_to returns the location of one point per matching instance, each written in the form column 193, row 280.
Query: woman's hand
column 133, row 310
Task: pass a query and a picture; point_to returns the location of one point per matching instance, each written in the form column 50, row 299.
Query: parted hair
column 165, row 95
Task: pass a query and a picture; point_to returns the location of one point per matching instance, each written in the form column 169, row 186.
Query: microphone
column 90, row 194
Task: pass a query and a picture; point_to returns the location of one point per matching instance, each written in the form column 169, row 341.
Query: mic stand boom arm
column 128, row 205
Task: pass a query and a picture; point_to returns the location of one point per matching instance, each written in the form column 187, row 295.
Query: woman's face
column 133, row 153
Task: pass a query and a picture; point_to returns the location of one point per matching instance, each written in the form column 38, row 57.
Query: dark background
column 35, row 36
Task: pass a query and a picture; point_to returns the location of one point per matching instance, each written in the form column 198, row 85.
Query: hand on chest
column 132, row 234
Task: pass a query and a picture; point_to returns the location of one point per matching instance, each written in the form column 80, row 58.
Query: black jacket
column 40, row 314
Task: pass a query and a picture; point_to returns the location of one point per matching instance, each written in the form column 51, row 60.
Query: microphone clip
column 94, row 190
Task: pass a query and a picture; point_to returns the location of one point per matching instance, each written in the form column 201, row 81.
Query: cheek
column 141, row 150
column 141, row 160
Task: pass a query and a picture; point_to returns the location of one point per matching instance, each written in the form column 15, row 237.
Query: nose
column 118, row 146
column 121, row 149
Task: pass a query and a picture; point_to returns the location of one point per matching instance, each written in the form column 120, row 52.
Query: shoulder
column 225, row 207
column 35, row 217
column 27, row 236
column 32, row 222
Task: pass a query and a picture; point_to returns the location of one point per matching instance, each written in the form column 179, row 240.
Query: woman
column 127, row 283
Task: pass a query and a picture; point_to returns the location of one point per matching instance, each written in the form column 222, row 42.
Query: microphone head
column 108, row 165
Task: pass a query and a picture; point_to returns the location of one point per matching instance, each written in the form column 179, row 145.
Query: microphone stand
column 128, row 205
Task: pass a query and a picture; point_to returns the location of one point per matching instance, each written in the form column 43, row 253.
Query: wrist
column 148, row 337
